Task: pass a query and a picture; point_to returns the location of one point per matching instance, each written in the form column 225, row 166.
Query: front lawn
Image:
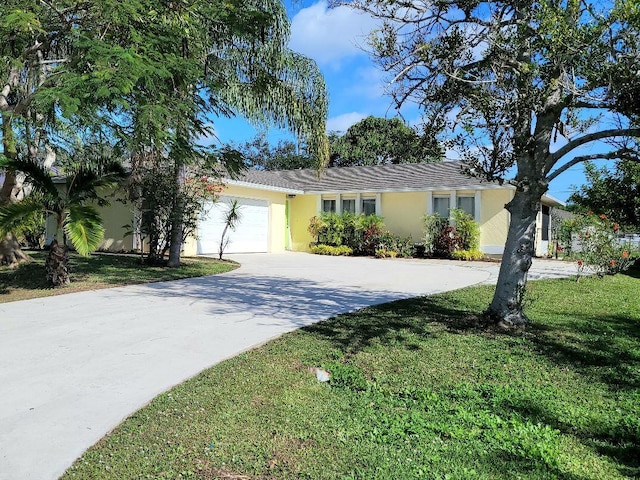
column 98, row 271
column 417, row 391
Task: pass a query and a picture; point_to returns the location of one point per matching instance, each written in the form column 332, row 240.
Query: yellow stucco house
column 276, row 206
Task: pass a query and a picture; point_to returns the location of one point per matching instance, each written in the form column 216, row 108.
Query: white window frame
column 473, row 198
column 443, row 197
column 348, row 199
column 329, row 199
column 368, row 198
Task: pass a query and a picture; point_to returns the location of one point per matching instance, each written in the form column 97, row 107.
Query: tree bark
column 57, row 265
column 177, row 223
column 10, row 252
column 506, row 307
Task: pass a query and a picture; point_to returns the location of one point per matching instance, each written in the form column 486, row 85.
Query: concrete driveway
column 72, row 367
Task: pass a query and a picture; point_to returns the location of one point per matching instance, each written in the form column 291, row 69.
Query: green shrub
column 433, row 225
column 467, row 229
column 384, row 253
column 32, row 232
column 442, row 240
column 446, row 242
column 467, row 255
column 362, row 234
column 322, row 249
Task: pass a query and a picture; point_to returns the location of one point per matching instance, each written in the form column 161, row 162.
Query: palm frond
column 39, row 177
column 84, row 184
column 15, row 215
column 83, row 226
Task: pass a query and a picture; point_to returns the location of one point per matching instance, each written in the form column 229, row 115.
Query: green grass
column 417, row 391
column 98, row 271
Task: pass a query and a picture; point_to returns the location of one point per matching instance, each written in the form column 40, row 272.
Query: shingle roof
column 379, row 178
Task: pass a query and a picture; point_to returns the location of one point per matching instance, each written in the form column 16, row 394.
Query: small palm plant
column 231, row 220
column 70, row 200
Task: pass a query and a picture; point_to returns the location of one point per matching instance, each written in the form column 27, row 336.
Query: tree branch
column 12, row 81
column 591, row 137
column 623, row 154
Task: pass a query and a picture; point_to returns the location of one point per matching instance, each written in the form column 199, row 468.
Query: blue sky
column 335, row 38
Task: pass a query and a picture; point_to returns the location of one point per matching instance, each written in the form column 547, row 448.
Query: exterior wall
column 494, row 220
column 403, row 213
column 114, row 217
column 277, row 216
column 301, row 209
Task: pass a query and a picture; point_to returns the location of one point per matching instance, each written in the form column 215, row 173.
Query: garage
column 251, row 234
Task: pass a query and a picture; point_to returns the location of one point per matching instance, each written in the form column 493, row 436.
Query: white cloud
column 342, row 122
column 329, row 35
column 369, row 83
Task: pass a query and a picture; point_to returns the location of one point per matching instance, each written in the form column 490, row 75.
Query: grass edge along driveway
column 99, row 271
column 417, row 391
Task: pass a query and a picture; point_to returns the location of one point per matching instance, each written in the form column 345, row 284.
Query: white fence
column 629, row 240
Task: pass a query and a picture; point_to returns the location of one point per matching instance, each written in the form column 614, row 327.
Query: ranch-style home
column 276, row 206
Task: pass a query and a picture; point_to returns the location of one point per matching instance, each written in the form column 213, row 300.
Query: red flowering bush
column 599, row 250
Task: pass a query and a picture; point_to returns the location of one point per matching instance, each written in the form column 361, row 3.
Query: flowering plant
column 599, row 250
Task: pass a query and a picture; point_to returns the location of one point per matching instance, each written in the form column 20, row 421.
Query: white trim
column 135, row 221
column 429, row 202
column 453, row 203
column 379, row 204
column 477, row 207
column 551, row 201
column 260, row 186
column 442, row 195
column 358, row 204
column 338, row 204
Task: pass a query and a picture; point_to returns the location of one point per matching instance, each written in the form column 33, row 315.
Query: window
column 441, row 206
column 329, row 206
column 369, row 206
column 468, row 205
column 349, row 205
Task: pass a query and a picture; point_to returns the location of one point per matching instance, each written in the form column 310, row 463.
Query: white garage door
column 250, row 235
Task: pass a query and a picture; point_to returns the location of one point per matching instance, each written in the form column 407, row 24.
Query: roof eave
column 260, row 186
column 401, row 190
column 552, row 201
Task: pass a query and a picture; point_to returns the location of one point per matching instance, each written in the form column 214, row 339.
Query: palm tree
column 71, row 200
column 231, row 219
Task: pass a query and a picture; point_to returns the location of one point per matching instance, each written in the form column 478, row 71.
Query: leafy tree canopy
column 521, row 84
column 379, row 141
column 613, row 193
column 154, row 74
column 285, row 155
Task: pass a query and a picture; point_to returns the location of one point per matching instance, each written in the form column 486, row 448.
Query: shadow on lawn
column 32, row 276
column 607, row 352
column 391, row 322
column 28, row 276
column 607, row 348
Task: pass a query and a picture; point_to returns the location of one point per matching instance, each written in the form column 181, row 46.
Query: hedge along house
column 276, row 206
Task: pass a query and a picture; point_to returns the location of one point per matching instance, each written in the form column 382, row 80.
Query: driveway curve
column 72, row 367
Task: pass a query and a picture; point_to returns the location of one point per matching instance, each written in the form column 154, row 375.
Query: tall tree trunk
column 10, row 252
column 177, row 223
column 506, row 307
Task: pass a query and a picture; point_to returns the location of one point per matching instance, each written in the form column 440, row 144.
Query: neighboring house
column 276, row 206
